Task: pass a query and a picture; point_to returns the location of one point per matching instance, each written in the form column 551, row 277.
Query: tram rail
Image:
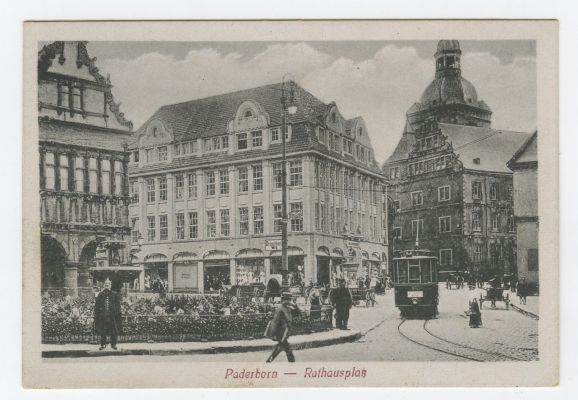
column 479, row 357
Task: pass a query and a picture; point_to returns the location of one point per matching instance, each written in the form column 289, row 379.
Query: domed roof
column 450, row 89
column 448, row 45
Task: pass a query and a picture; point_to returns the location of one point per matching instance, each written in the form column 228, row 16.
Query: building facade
column 451, row 189
column 83, row 165
column 524, row 164
column 205, row 179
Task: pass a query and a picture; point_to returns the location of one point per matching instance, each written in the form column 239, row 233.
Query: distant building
column 524, row 163
column 83, row 165
column 450, row 183
column 206, row 209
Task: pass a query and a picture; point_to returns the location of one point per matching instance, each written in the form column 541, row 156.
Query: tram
column 416, row 283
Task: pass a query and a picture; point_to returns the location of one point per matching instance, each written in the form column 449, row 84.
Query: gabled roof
column 210, row 116
column 527, row 153
column 403, row 148
column 493, row 147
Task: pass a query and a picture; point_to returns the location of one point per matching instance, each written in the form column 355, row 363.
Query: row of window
column 494, row 191
column 335, row 143
column 186, row 184
column 70, row 97
column 348, row 183
column 218, row 223
column 445, row 225
column 334, row 220
column 243, row 141
column 429, row 142
column 85, row 175
column 433, row 164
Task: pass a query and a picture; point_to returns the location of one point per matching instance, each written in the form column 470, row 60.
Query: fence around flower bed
column 182, row 327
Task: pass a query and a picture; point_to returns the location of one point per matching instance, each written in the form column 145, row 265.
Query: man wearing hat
column 107, row 315
column 342, row 302
column 279, row 328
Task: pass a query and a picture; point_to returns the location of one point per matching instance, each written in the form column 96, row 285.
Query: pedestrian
column 108, row 315
column 342, row 302
column 279, row 328
column 522, row 290
column 315, row 302
column 475, row 314
column 513, row 283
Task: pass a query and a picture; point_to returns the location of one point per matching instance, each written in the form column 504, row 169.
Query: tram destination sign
column 414, row 293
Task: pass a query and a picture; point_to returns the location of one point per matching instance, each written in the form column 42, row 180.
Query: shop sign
column 273, row 244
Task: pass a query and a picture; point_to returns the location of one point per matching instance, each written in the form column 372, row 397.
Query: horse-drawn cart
column 495, row 294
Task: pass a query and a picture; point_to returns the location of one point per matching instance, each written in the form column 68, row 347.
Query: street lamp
column 288, row 106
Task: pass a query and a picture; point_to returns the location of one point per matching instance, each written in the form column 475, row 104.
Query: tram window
column 425, row 271
column 402, row 272
column 414, row 272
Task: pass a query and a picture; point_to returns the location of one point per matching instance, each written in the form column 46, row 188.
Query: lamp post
column 287, row 107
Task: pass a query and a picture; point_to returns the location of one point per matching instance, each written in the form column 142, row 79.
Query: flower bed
column 179, row 319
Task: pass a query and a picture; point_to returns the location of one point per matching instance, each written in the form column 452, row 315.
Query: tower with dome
column 449, row 181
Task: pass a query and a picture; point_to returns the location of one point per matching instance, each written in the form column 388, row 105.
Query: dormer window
column 360, row 131
column 248, row 114
column 333, row 117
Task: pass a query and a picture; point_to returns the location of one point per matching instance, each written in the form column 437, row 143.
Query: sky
column 377, row 80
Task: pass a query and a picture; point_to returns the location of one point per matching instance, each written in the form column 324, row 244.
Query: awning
column 117, row 268
column 250, row 253
column 185, row 256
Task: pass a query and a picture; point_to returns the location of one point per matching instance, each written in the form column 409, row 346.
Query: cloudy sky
column 374, row 79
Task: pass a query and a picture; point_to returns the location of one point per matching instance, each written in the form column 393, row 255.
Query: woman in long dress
column 475, row 314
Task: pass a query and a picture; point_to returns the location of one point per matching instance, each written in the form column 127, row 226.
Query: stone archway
column 53, row 261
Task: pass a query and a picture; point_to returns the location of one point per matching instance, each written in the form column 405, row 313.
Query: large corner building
column 83, row 165
column 451, row 188
column 205, row 179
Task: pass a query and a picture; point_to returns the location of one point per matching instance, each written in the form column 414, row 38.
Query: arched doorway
column 52, row 260
column 87, row 255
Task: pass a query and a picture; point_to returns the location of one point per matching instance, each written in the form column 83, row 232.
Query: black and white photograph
column 250, row 204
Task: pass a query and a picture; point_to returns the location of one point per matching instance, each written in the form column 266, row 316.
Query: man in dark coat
column 279, row 328
column 107, row 316
column 342, row 302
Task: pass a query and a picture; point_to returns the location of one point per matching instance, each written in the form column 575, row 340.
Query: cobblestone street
column 506, row 335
